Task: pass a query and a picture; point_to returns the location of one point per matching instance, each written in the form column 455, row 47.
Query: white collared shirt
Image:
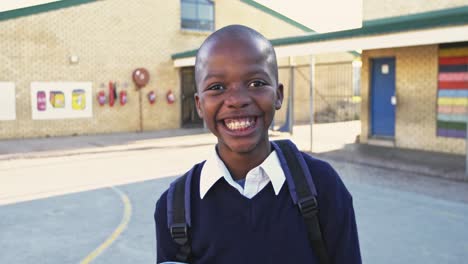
column 256, row 179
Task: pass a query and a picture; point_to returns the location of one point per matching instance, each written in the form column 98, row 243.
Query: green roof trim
column 277, row 15
column 432, row 19
column 354, row 53
column 31, row 10
column 185, row 54
column 418, row 16
column 286, row 19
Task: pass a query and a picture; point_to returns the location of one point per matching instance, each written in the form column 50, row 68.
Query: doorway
column 383, row 99
column 190, row 118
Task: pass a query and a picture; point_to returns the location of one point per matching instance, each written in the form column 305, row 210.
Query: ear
column 279, row 96
column 197, row 104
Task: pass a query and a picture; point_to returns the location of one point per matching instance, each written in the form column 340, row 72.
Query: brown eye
column 257, row 84
column 215, row 87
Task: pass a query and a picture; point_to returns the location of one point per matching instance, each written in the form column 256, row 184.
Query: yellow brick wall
column 373, row 9
column 416, row 91
column 111, row 39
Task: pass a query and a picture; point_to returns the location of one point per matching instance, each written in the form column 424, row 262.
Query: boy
column 241, row 207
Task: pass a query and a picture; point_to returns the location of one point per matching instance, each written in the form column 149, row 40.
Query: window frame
column 198, row 20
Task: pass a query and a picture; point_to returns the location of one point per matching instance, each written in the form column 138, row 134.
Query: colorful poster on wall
column 61, row 100
column 78, row 99
column 452, row 101
column 41, row 101
column 57, row 99
column 7, row 101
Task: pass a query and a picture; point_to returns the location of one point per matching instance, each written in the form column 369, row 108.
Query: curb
column 457, row 175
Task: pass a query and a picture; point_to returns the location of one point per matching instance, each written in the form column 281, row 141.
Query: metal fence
column 336, row 92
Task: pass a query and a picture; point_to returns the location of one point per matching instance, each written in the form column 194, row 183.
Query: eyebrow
column 257, row 72
column 213, row 75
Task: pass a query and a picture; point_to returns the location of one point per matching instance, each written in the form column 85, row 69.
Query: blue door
column 382, row 91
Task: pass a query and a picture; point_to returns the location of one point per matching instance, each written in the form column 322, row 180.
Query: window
column 197, row 14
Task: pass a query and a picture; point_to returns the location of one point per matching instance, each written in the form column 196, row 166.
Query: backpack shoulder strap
column 305, row 195
column 178, row 213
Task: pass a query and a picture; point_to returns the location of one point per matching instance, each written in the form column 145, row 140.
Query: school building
column 89, row 67
column 69, row 67
column 414, row 76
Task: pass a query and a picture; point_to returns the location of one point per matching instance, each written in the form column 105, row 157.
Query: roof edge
column 31, row 10
column 436, row 18
column 433, row 19
column 185, row 54
column 411, row 17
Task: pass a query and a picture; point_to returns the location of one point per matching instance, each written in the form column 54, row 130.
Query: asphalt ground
column 91, row 199
column 400, row 220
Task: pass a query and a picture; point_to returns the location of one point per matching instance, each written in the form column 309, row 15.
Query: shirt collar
column 272, row 168
column 214, row 169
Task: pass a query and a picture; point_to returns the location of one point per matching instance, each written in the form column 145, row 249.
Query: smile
column 240, row 123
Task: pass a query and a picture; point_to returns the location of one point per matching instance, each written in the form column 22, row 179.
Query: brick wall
column 111, row 39
column 416, row 90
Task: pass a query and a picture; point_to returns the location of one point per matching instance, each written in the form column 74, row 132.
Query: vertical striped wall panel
column 452, row 101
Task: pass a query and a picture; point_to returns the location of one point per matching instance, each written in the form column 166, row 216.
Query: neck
column 239, row 164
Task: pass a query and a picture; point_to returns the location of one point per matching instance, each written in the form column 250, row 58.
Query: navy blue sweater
column 230, row 228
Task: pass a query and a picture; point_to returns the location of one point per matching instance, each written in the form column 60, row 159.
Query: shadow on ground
column 427, row 163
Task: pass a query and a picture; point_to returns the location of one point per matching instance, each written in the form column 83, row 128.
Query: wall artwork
column 61, row 100
column 7, row 101
column 452, row 101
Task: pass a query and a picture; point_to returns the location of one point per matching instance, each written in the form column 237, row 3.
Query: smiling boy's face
column 238, row 91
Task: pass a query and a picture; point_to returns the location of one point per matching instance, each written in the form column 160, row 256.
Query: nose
column 238, row 97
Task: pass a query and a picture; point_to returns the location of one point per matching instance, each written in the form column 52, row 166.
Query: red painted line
column 453, row 85
column 453, row 60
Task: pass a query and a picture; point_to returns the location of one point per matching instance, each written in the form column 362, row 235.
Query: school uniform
column 257, row 221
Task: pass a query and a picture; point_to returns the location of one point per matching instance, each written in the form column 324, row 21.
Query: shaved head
column 246, row 38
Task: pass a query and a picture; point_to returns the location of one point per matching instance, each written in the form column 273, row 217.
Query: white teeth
column 239, row 124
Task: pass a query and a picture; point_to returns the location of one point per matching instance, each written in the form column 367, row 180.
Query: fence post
column 312, row 86
column 292, row 63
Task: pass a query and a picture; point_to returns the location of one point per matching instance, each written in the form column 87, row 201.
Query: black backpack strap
column 178, row 214
column 305, row 195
